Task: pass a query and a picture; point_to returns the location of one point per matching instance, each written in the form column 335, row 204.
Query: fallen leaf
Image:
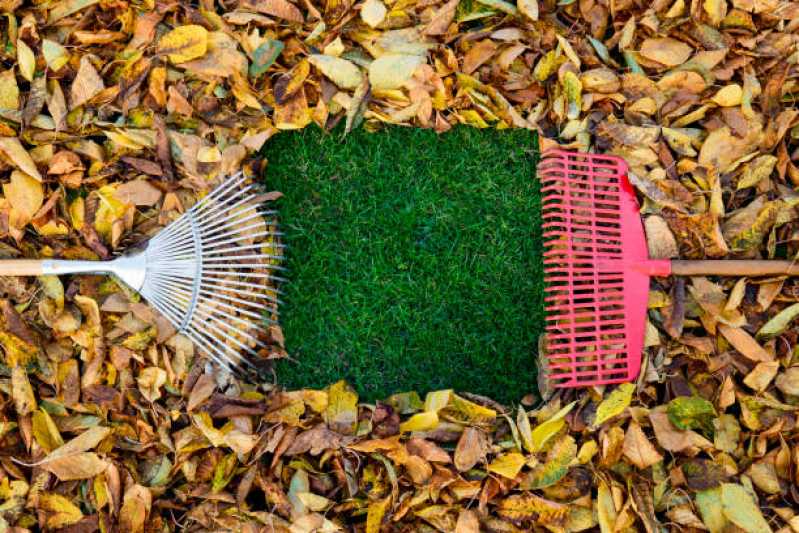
column 61, row 512
column 82, row 465
column 667, row 51
column 86, row 85
column 138, row 192
column 615, row 403
column 637, row 448
column 340, row 71
column 184, row 43
column 470, row 450
column 26, row 60
column 507, row 465
column 744, row 343
column 392, row 71
column 14, row 150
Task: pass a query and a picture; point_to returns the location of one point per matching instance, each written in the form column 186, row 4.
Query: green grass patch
column 414, row 260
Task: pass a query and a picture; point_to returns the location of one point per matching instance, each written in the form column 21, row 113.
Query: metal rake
column 597, row 270
column 208, row 272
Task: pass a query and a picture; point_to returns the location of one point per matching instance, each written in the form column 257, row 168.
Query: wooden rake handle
column 38, row 267
column 735, row 267
column 21, row 267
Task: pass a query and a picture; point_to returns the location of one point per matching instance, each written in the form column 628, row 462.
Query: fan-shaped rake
column 597, row 270
column 211, row 272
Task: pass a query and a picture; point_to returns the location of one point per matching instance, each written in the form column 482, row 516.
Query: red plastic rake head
column 595, row 297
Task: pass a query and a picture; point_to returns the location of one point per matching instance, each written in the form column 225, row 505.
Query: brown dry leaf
column 277, row 8
column 441, row 19
column 135, row 508
column 637, row 448
column 202, row 390
column 665, row 50
column 87, row 84
column 675, row 440
column 82, row 465
column 22, row 392
column 478, row 54
column 467, row 522
column 138, row 192
column 760, row 377
column 470, row 450
column 660, row 239
column 745, row 343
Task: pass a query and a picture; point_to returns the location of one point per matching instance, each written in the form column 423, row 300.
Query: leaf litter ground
column 115, row 117
column 414, row 260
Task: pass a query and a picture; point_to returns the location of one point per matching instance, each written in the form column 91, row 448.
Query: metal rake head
column 595, row 296
column 211, row 273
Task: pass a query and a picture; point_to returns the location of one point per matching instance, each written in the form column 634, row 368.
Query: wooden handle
column 21, row 267
column 735, row 267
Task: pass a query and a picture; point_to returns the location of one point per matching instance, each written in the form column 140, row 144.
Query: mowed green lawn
column 414, row 260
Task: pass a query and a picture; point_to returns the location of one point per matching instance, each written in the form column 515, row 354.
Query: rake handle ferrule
column 735, row 267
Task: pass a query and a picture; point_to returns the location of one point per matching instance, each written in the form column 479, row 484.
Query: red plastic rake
column 597, row 270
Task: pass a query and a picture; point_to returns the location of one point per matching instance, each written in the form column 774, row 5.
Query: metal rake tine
column 210, row 273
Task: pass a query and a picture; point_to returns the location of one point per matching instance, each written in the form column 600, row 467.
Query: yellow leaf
column 26, row 60
column 373, row 12
column 340, row 71
column 45, row 431
column 466, row 411
column 615, row 403
column 184, row 43
column 341, row 414
column 525, row 430
column 150, row 381
column 437, row 400
column 508, row 465
column 605, row 508
column 549, row 472
column 392, row 71
column 729, row 95
column 55, row 55
column 82, row 443
column 528, row 506
column 420, row 422
column 314, row 502
column 21, row 391
column 587, row 451
column 61, row 512
column 528, row 8
column 19, row 156
column 25, row 195
column 545, row 431
column 206, row 426
column 375, row 514
column 742, row 509
column 9, row 90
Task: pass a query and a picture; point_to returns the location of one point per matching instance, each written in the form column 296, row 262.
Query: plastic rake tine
column 208, row 272
column 597, row 270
